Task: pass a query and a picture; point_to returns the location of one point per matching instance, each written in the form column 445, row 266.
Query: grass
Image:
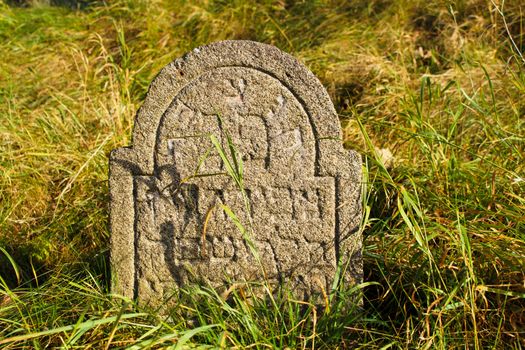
column 439, row 85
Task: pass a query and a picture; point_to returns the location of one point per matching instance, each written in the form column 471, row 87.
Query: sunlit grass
column 439, row 86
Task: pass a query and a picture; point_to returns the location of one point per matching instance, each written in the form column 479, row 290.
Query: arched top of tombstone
column 242, row 54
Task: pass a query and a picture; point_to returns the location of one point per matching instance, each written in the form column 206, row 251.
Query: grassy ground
column 439, row 85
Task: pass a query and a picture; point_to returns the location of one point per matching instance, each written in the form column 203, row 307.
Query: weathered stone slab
column 168, row 228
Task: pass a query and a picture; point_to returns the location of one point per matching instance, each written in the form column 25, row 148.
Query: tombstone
column 170, row 192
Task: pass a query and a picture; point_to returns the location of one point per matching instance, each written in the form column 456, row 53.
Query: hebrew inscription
column 299, row 205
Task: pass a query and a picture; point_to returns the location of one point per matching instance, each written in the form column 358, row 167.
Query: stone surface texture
column 301, row 205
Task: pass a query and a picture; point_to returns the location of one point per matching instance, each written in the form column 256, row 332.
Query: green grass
column 440, row 84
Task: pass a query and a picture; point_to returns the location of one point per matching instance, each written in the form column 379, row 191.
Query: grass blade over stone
column 234, row 168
